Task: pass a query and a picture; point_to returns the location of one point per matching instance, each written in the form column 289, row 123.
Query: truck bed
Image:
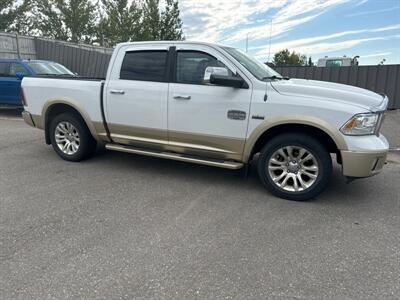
column 86, row 78
column 79, row 92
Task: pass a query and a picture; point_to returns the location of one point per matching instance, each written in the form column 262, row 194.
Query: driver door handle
column 182, row 97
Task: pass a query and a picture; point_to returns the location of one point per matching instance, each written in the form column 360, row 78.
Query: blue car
column 12, row 71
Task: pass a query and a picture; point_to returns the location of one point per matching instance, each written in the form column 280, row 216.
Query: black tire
column 310, row 144
column 87, row 144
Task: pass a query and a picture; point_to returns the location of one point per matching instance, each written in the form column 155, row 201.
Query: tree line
column 105, row 22
column 100, row 22
column 287, row 58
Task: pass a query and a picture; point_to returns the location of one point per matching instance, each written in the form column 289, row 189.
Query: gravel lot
column 121, row 226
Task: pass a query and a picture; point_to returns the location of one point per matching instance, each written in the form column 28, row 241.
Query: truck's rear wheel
column 70, row 137
column 294, row 166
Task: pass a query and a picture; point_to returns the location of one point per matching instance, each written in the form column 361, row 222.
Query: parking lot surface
column 122, row 226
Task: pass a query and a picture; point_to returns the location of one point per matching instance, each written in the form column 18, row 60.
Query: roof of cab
column 171, row 42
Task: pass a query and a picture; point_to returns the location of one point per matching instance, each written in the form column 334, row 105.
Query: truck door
column 206, row 119
column 136, row 96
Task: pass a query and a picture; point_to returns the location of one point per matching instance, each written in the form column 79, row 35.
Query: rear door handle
column 119, row 92
column 182, row 97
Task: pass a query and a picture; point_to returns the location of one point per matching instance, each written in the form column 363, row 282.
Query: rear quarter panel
column 83, row 95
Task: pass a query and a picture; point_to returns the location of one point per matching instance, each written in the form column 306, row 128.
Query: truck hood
column 336, row 92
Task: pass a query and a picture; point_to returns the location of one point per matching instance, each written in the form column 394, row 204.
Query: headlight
column 361, row 124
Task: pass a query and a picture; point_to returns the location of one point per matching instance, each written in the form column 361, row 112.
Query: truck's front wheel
column 70, row 137
column 294, row 166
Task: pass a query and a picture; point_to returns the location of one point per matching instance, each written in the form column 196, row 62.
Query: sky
column 316, row 28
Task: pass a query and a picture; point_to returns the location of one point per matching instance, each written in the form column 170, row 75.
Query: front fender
column 330, row 130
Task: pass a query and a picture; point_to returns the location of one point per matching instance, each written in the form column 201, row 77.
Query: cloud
column 336, row 46
column 391, row 27
column 206, row 20
column 329, row 47
column 361, row 3
column 376, row 55
column 231, row 21
column 215, row 20
column 363, row 13
column 274, row 29
column 311, row 45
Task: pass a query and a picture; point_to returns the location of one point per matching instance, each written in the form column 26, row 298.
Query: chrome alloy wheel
column 67, row 138
column 293, row 168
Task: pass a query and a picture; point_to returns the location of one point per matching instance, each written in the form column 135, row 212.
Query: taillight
column 23, row 98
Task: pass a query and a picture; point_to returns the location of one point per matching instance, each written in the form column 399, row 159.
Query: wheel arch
column 55, row 107
column 330, row 136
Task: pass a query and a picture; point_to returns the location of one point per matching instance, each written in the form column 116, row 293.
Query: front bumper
column 362, row 164
column 365, row 155
column 28, row 118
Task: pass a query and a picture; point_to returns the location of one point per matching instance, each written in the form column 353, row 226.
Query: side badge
column 236, row 115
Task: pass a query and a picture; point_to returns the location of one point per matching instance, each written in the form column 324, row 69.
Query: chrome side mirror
column 214, row 71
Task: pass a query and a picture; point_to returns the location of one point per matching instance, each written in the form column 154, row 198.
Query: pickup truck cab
column 12, row 70
column 212, row 104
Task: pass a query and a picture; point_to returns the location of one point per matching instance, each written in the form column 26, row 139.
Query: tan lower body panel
column 28, row 118
column 38, row 120
column 33, row 120
column 101, row 131
column 135, row 133
column 179, row 142
column 362, row 164
column 217, row 146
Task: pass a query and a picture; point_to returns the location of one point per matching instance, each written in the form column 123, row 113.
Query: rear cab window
column 145, row 65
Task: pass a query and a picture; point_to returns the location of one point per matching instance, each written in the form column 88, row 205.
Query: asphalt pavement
column 122, row 226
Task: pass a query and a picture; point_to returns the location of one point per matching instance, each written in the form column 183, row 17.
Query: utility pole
column 247, row 42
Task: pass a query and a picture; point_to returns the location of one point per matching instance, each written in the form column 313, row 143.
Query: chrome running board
column 175, row 156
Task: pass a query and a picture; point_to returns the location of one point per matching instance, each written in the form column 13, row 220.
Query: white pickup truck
column 214, row 105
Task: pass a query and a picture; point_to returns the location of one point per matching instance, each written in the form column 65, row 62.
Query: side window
column 4, row 69
column 144, row 66
column 15, row 68
column 191, row 66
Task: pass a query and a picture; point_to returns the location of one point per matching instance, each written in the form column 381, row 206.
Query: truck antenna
column 270, row 37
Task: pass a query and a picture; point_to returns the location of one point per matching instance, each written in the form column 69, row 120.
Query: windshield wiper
column 55, row 75
column 274, row 77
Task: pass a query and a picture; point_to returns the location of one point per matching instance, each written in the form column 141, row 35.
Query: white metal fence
column 14, row 46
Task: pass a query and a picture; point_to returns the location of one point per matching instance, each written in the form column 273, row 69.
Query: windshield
column 257, row 68
column 49, row 68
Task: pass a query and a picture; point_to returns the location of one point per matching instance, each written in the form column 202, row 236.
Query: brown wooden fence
column 381, row 79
